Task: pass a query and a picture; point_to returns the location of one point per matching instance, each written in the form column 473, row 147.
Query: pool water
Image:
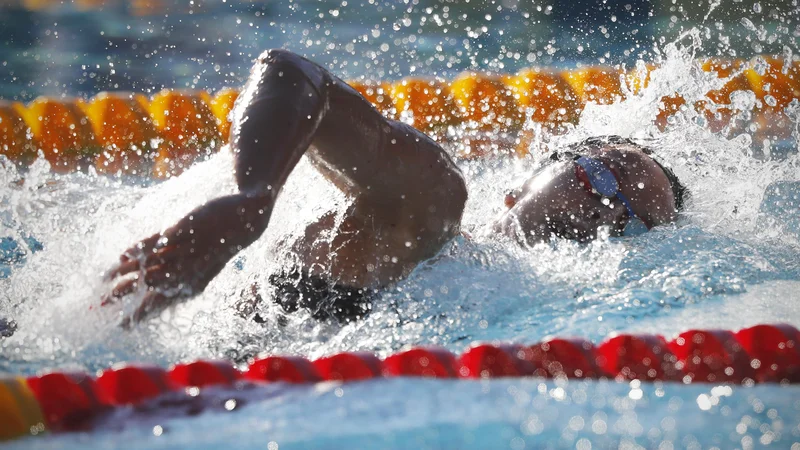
column 732, row 260
column 434, row 414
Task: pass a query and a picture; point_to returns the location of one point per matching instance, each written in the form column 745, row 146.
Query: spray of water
column 736, row 232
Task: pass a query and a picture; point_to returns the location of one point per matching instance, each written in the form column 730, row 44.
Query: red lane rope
column 759, row 354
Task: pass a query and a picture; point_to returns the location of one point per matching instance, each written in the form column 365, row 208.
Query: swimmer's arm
column 223, row 226
column 528, row 218
column 526, row 222
column 271, row 131
column 553, row 202
column 180, row 261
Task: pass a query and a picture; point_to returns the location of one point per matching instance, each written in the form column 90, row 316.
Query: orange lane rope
column 129, row 133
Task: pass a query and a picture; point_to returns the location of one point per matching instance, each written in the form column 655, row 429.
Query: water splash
column 729, row 239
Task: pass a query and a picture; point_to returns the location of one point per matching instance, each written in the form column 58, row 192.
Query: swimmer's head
column 553, row 203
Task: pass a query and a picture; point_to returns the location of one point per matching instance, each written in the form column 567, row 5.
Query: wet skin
column 407, row 193
column 555, row 203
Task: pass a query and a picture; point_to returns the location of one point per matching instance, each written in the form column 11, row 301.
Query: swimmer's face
column 553, row 204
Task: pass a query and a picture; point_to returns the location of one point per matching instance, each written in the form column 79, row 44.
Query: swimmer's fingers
column 156, row 279
column 123, row 268
column 162, row 277
column 122, row 289
column 129, row 260
column 160, row 271
column 142, row 247
column 168, row 255
column 130, row 264
column 153, row 303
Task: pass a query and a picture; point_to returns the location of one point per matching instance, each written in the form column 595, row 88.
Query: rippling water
column 739, row 231
column 732, row 260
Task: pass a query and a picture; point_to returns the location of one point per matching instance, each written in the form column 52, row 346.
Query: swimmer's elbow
column 457, row 196
column 459, row 192
column 452, row 200
column 275, row 53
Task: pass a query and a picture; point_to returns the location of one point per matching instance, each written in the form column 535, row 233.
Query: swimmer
column 407, row 198
column 603, row 183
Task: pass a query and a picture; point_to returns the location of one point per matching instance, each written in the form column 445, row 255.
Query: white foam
column 479, row 289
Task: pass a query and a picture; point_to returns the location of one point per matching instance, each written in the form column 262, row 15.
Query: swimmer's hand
column 180, row 262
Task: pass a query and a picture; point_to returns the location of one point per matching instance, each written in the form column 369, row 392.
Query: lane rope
column 129, row 133
column 160, row 136
column 69, row 401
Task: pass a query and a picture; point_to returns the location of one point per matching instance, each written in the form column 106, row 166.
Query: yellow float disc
column 19, row 411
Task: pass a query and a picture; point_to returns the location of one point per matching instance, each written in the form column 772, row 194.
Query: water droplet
column 704, row 402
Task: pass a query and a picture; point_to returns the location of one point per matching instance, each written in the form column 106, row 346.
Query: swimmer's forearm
column 180, row 261
column 225, row 225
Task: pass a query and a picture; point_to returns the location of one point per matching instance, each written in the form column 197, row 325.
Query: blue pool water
column 732, row 260
column 429, row 414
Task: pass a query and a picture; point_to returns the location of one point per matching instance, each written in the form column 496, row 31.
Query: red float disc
column 204, row 373
column 289, row 369
column 714, row 356
column 350, row 366
column 489, row 361
column 133, row 384
column 69, row 400
column 422, row 362
column 776, row 349
column 573, row 358
column 644, row 357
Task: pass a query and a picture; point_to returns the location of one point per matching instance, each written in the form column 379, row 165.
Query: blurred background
column 81, row 47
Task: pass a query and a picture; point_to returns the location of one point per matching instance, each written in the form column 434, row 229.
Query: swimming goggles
column 597, row 178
